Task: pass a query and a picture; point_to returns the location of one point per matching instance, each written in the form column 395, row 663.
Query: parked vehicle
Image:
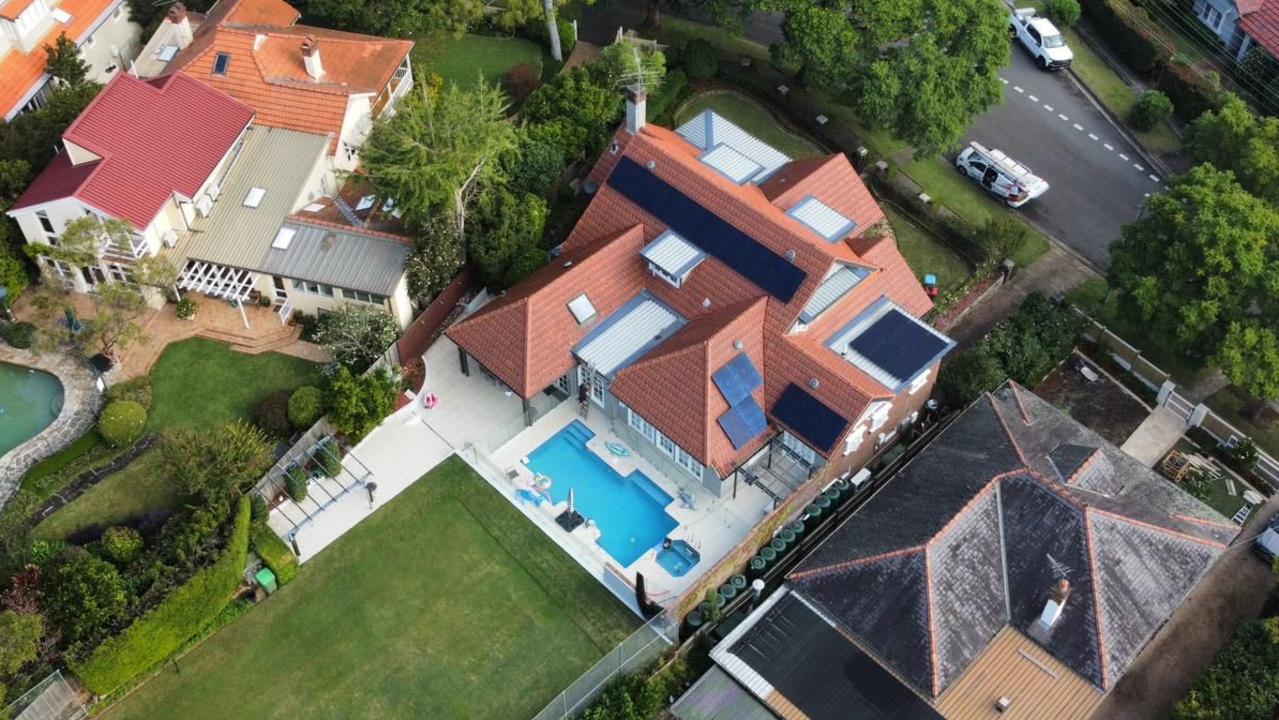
column 1002, row 176
column 1267, row 543
column 1041, row 38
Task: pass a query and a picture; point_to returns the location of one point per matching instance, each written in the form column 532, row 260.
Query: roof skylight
column 254, row 197
column 581, row 308
column 283, row 238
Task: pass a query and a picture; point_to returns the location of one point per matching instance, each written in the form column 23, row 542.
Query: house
column 719, row 300
column 1016, row 567
column 234, row 205
column 299, row 78
column 1241, row 25
column 107, row 40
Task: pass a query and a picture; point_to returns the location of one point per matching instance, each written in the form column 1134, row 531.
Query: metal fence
column 635, row 654
column 54, row 698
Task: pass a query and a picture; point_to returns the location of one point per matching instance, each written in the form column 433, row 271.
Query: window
column 688, row 462
column 586, row 376
column 313, row 288
column 361, row 296
column 644, row 427
column 46, row 223
column 220, row 63
column 119, row 273
column 666, row 445
column 658, row 272
column 582, row 309
column 61, row 270
column 1034, row 35
column 854, row 440
column 1211, row 16
column 798, row 447
column 283, row 238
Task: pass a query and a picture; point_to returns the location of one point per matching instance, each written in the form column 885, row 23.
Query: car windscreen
column 1054, row 41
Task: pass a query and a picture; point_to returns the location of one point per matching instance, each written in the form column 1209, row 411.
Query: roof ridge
column 317, row 222
column 1096, row 602
column 849, row 564
column 994, row 406
column 1089, row 509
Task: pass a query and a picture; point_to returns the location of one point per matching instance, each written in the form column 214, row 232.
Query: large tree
column 1233, row 138
column 1201, row 258
column 1249, row 358
column 438, row 150
column 357, row 334
column 63, row 61
column 395, row 17
column 508, row 227
column 918, row 68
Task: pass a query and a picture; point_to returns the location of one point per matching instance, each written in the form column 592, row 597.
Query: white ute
column 1002, row 176
column 1041, row 39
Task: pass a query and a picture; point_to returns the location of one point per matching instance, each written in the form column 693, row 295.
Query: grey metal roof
column 716, row 696
column 731, row 163
column 344, row 257
column 673, row 254
column 634, row 329
column 835, row 286
column 708, row 129
column 275, row 160
column 822, row 219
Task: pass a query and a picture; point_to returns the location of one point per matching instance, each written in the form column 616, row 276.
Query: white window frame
column 799, row 447
column 642, row 426
column 64, row 272
column 313, row 288
column 666, row 445
column 119, row 273
column 597, row 383
column 364, row 297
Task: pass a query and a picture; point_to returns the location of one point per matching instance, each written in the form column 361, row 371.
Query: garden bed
column 1104, row 406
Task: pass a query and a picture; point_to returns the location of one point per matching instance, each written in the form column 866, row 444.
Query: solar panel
column 769, row 271
column 737, row 379
column 809, row 418
column 898, row 344
column 743, row 422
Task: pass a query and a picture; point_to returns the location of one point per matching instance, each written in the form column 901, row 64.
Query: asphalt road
column 1096, row 178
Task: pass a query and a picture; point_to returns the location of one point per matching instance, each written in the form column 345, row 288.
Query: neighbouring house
column 228, row 201
column 1242, row 25
column 107, row 39
column 1016, row 567
column 299, row 78
column 720, row 302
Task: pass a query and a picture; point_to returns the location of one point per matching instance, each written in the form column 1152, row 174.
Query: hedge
column 1192, row 92
column 1126, row 30
column 157, row 634
column 122, row 423
column 275, row 554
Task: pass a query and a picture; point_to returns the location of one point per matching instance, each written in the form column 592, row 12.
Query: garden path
column 1155, row 436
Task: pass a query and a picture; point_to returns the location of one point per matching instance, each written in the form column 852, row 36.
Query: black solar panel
column 804, row 414
column 898, row 344
column 712, row 234
column 743, row 422
column 737, row 379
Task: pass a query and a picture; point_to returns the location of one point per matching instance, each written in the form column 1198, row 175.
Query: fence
column 634, row 654
column 53, row 698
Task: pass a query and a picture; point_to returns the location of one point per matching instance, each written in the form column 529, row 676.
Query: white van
column 1002, row 176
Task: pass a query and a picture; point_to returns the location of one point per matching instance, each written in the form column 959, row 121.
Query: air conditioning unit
column 215, row 192
column 203, row 205
column 170, row 237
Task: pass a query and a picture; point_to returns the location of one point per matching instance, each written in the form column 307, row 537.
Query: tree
column 357, row 334
column 1242, row 683
column 435, row 258
column 1198, row 259
column 82, row 240
column 34, row 136
column 627, row 61
column 156, row 271
column 968, row 374
column 1235, row 139
column 113, row 327
column 1249, row 358
column 19, row 640
column 218, row 463
column 532, row 165
column 1152, row 108
column 507, row 225
column 576, row 111
column 83, row 596
column 921, row 69
column 64, row 63
column 395, row 18
column 436, row 152
column 701, row 59
column 359, row 402
column 1065, row 13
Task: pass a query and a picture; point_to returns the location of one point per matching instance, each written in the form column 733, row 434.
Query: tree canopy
column 1235, row 139
column 63, row 61
column 918, row 68
column 395, row 18
column 357, row 334
column 216, row 463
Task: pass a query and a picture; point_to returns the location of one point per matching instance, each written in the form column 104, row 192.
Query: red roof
column 1260, row 19
column 671, row 386
column 155, row 138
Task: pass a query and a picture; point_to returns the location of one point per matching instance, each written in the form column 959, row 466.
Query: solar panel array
column 744, row 420
column 809, row 418
column 899, row 345
column 748, row 257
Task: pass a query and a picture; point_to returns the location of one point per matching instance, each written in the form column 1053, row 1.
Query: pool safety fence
column 53, row 698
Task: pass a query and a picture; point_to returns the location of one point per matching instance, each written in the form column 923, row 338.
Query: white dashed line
column 1078, row 127
column 1123, row 157
column 1018, row 89
column 1063, row 117
column 1033, row 98
column 1092, row 137
column 1048, row 107
column 1108, row 146
column 1155, row 178
column 1003, row 81
column 1139, row 167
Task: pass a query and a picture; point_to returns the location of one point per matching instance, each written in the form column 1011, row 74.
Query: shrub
column 295, row 480
column 966, row 376
column 306, row 405
column 359, row 403
column 83, row 595
column 1031, row 342
column 157, row 634
column 521, row 81
column 186, row 308
column 275, row 554
column 216, row 463
column 138, row 390
column 122, row 422
column 1242, row 681
column 1152, row 108
column 1127, row 30
column 701, row 61
column 121, row 544
column 272, row 414
column 329, row 457
column 1243, row 456
column 19, row 640
column 1000, row 236
column 43, row 552
column 258, row 509
column 1192, row 91
column 1065, row 13
column 19, row 334
column 668, row 93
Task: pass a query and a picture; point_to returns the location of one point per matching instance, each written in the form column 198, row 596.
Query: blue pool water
column 29, row 401
column 630, row 511
column 679, row 558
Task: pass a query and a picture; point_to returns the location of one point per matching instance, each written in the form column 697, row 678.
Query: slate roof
column 971, row 534
column 155, row 137
column 22, row 73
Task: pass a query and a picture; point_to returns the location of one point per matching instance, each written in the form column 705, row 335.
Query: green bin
column 728, row 592
column 756, row 567
column 835, row 494
column 779, row 546
column 822, row 501
column 798, row 528
column 692, row 623
column 813, row 516
column 266, row 579
column 769, row 555
column 787, row 536
column 739, row 583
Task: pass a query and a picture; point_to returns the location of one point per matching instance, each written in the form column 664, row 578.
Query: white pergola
column 220, row 281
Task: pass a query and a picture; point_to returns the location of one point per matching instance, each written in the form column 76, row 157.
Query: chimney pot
column 311, row 57
column 1061, row 591
column 177, row 12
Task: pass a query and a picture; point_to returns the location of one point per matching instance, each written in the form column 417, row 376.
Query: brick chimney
column 177, row 16
column 1056, row 602
column 636, row 109
column 311, row 57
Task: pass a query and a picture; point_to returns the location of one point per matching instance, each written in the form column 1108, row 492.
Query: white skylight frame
column 582, row 308
column 253, row 198
column 283, row 238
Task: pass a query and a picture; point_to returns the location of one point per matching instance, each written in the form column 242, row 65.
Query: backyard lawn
column 925, row 254
column 751, row 117
column 462, row 60
column 446, row 603
column 126, row 495
column 203, row 384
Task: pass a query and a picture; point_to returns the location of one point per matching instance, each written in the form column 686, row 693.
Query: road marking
column 1092, row 137
column 1033, row 98
column 1048, row 107
column 1155, row 178
column 1123, row 157
column 1139, row 167
column 1018, row 89
column 1108, row 146
column 1078, row 127
column 1063, row 117
column 1003, row 81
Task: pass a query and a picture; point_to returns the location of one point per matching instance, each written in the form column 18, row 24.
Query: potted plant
column 187, row 309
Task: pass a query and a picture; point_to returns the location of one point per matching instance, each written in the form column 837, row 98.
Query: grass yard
column 463, row 60
column 446, row 603
column 1234, row 405
column 751, row 116
column 925, row 254
column 116, row 499
column 203, row 384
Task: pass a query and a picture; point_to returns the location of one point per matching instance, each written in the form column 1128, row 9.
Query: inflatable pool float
column 617, row 449
column 542, row 482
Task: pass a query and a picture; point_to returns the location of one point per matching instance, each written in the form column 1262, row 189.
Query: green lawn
column 751, row 117
column 925, row 254
column 116, row 499
column 677, row 32
column 462, row 60
column 203, row 384
column 55, row 462
column 1234, row 405
column 446, row 603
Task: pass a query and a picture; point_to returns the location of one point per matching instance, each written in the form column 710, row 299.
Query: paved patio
column 1156, row 435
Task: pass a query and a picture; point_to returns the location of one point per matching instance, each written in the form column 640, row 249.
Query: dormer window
column 672, row 258
column 220, row 63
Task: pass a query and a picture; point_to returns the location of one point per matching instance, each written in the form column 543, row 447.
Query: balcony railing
column 134, row 249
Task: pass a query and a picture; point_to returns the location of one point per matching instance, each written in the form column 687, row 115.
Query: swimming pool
column 29, row 400
column 630, row 511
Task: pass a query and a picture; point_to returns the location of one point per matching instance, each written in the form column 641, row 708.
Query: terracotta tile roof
column 526, row 336
column 267, row 72
column 144, row 162
column 20, row 72
column 1261, row 21
column 672, row 387
column 12, row 9
column 830, row 179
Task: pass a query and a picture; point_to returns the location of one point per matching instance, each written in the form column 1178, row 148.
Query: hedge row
column 157, row 634
column 1192, row 93
column 275, row 554
column 1127, row 30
